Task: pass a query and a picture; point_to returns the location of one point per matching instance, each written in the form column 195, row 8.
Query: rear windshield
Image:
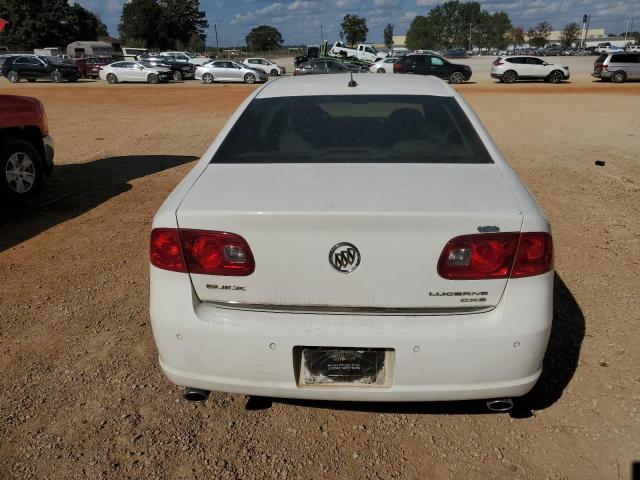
column 353, row 129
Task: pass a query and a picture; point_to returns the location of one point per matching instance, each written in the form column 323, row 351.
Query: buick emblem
column 344, row 257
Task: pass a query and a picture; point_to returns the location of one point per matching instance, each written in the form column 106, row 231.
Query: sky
column 301, row 21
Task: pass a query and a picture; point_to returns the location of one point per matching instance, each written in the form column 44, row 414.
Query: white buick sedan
column 134, row 72
column 353, row 241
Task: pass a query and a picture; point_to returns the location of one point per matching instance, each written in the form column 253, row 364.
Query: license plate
column 323, row 366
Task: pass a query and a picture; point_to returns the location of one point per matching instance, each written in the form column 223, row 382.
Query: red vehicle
column 26, row 148
column 94, row 64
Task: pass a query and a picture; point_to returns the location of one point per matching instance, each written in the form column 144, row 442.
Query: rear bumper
column 458, row 357
column 496, row 75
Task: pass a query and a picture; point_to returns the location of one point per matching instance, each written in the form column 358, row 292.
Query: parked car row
column 420, row 64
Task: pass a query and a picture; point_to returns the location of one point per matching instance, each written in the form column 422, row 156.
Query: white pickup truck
column 362, row 51
column 185, row 57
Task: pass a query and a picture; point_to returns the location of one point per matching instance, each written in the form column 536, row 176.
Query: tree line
column 163, row 24
column 47, row 23
column 458, row 25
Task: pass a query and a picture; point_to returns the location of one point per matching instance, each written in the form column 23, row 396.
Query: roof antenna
column 352, row 82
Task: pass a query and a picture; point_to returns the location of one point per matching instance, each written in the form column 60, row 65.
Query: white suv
column 185, row 57
column 311, row 254
column 268, row 67
column 510, row 69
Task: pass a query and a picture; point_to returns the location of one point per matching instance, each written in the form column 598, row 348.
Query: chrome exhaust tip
column 500, row 404
column 196, row 394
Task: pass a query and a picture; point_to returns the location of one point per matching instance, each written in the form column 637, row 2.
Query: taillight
column 203, row 252
column 396, row 67
column 496, row 255
column 216, row 253
column 498, row 61
column 166, row 252
column 535, row 255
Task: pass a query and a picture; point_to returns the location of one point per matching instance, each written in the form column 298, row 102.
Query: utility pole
column 626, row 31
column 215, row 27
column 321, row 35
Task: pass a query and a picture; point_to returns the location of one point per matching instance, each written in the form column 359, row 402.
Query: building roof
column 337, row 84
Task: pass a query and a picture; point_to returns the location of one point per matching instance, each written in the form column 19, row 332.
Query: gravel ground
column 82, row 396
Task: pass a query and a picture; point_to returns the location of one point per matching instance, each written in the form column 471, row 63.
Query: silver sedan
column 228, row 71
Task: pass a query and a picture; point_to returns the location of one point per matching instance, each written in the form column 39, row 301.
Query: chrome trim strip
column 342, row 310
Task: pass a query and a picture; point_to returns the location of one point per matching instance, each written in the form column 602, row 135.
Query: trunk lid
column 399, row 217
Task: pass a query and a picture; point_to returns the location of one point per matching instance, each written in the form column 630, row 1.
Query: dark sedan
column 179, row 70
column 324, row 66
column 34, row 67
column 433, row 65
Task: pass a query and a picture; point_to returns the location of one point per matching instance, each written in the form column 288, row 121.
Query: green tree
column 570, row 34
column 135, row 28
column 354, row 29
column 515, row 36
column 46, row 23
column 182, row 23
column 162, row 24
column 538, row 36
column 264, row 37
column 456, row 24
column 421, row 34
column 388, row 36
column 84, row 25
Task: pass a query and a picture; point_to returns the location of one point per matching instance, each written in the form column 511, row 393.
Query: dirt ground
column 81, row 393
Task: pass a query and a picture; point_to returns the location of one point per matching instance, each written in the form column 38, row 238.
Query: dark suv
column 33, row 67
column 432, row 65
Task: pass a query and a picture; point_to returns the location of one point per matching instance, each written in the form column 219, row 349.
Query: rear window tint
column 353, row 129
column 601, row 58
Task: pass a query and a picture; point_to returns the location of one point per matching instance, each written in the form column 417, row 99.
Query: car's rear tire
column 618, row 77
column 381, row 70
column 13, row 76
column 456, row 77
column 249, row 78
column 207, row 78
column 555, row 77
column 112, row 79
column 55, row 76
column 21, row 170
column 274, row 73
column 509, row 76
column 153, row 78
column 177, row 76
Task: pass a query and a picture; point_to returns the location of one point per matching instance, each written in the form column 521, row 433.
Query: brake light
column 496, row 255
column 498, row 61
column 203, row 252
column 535, row 255
column 396, row 67
column 166, row 252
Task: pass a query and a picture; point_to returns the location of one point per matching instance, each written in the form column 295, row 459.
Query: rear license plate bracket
column 322, row 366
